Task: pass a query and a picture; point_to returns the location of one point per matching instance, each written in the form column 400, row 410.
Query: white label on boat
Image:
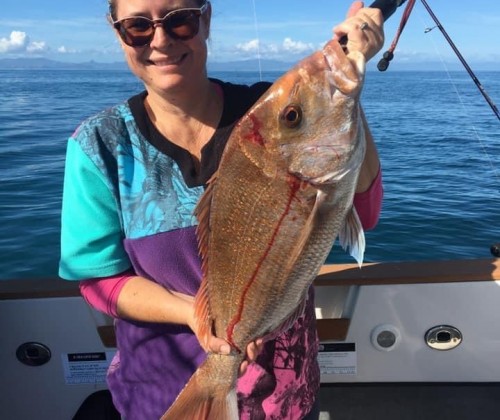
column 337, row 358
column 86, row 368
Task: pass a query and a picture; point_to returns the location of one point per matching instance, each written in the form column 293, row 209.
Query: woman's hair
column 112, row 7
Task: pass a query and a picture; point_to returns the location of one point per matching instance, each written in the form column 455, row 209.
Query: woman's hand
column 217, row 345
column 253, row 350
column 363, row 28
column 220, row 346
column 147, row 301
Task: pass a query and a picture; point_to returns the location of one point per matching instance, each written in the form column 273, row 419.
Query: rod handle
column 387, row 7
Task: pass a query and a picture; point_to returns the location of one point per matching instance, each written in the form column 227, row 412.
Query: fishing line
column 462, row 102
column 256, row 25
column 461, row 58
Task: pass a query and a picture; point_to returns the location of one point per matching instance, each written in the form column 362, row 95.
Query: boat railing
column 330, row 276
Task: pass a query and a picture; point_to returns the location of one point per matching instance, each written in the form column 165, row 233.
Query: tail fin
column 210, row 394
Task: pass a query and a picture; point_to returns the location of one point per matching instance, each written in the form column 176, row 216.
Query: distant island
column 252, row 65
column 47, row 64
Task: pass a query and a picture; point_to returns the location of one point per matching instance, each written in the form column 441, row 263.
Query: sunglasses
column 180, row 24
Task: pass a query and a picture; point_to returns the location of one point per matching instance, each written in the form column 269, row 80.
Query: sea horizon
column 249, row 65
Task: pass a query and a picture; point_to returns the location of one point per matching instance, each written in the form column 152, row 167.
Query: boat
column 398, row 340
column 406, row 327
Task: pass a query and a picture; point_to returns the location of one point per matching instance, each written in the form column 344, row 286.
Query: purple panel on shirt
column 170, row 258
column 156, row 360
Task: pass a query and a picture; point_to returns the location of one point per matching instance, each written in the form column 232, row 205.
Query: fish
column 271, row 213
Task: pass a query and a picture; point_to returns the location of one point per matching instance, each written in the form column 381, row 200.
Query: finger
column 338, row 31
column 254, row 348
column 371, row 28
column 375, row 15
column 372, row 17
column 260, row 344
column 348, row 26
column 354, row 8
column 252, row 351
column 243, row 367
column 218, row 345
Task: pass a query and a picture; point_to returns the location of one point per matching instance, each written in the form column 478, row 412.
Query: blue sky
column 77, row 31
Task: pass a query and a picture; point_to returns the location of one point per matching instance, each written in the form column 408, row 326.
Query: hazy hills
column 246, row 65
column 47, row 64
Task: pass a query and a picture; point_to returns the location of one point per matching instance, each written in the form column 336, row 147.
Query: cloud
column 249, row 47
column 17, row 42
column 275, row 50
column 37, row 47
column 297, row 47
column 64, row 50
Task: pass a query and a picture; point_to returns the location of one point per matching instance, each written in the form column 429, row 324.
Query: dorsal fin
column 202, row 314
column 202, row 213
column 202, row 307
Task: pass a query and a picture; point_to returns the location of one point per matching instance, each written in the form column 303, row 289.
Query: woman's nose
column 160, row 36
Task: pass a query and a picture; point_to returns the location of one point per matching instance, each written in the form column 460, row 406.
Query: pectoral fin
column 352, row 236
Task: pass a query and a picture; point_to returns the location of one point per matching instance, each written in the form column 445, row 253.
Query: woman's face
column 166, row 64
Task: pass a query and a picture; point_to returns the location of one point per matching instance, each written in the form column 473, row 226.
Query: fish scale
column 244, row 263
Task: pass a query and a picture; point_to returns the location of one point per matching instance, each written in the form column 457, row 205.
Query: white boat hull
column 351, row 304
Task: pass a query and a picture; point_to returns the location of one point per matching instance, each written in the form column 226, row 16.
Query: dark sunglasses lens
column 136, row 32
column 183, row 24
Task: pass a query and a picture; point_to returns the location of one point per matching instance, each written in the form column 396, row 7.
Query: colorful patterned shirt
column 129, row 196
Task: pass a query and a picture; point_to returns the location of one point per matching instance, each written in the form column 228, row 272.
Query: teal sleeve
column 91, row 233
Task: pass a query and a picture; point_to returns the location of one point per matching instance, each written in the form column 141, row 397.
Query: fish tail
column 207, row 396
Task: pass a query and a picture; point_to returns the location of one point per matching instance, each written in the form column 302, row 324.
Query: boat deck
column 410, row 401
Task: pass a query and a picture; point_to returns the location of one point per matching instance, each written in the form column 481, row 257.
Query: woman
column 134, row 174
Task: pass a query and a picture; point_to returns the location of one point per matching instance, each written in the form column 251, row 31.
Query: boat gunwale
column 370, row 274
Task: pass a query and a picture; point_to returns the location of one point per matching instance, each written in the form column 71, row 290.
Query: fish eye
column 292, row 116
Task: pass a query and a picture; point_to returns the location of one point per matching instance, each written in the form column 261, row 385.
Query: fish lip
column 329, row 67
column 327, row 179
column 332, row 177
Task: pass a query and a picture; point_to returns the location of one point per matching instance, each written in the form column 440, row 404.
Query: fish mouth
column 345, row 71
column 330, row 177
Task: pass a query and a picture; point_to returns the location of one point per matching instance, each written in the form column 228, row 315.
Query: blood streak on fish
column 295, row 185
column 254, row 136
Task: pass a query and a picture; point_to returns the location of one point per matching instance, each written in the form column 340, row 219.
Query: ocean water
column 439, row 144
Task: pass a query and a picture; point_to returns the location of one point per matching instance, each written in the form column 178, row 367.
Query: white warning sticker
column 86, row 368
column 337, row 358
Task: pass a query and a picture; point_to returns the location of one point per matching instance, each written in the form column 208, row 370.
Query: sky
column 77, row 31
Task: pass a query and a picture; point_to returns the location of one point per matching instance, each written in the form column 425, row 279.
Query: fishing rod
column 461, row 58
column 387, row 7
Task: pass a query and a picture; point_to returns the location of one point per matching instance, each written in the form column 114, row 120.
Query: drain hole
column 443, row 337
